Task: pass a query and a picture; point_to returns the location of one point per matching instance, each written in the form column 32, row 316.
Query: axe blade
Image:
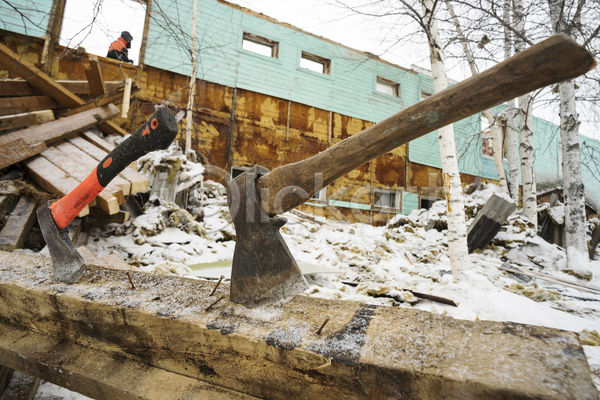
column 67, row 263
column 264, row 270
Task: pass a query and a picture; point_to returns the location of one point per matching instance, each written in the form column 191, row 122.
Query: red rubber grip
column 67, row 208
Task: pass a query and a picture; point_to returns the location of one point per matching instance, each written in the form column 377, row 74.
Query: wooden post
column 126, row 98
column 140, row 70
column 52, row 34
column 231, row 146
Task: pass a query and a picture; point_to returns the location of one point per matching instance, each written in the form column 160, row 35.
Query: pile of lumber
column 45, row 130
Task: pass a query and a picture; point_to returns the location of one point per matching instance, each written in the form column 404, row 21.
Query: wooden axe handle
column 556, row 59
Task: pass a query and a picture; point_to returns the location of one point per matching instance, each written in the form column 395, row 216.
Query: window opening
column 315, row 63
column 387, row 199
column 237, row 171
column 321, row 195
column 84, row 26
column 260, row 45
column 388, row 87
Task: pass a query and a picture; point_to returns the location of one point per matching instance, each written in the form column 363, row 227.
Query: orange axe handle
column 155, row 134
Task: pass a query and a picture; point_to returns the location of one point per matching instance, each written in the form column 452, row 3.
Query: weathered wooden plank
column 7, row 203
column 12, row 62
column 364, row 351
column 139, row 183
column 98, row 374
column 120, row 218
column 20, row 87
column 25, row 119
column 21, row 387
column 53, row 179
column 18, row 105
column 488, row 221
column 55, row 130
column 90, row 164
column 18, row 224
column 110, row 128
column 106, row 200
column 17, row 150
column 97, row 141
column 94, row 77
column 37, row 78
column 5, row 375
column 116, row 96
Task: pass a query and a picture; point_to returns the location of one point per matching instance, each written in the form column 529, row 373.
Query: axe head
column 264, row 270
column 67, row 262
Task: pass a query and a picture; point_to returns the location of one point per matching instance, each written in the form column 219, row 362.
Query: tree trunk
column 457, row 229
column 494, row 129
column 573, row 188
column 525, row 132
column 192, row 96
column 510, row 134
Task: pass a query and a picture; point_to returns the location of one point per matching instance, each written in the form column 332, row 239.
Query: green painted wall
column 27, row 17
column 349, row 89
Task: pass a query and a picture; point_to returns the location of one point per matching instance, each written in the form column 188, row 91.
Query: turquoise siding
column 30, row 17
column 546, row 137
column 349, row 89
column 410, row 201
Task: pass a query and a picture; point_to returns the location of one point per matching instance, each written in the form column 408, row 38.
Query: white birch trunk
column 457, row 228
column 494, row 129
column 573, row 188
column 525, row 132
column 192, row 96
column 510, row 135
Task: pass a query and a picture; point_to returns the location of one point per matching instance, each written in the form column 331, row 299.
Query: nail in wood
column 218, row 300
column 130, row 280
column 216, row 287
column 322, row 326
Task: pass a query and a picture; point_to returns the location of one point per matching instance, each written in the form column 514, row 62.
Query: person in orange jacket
column 118, row 48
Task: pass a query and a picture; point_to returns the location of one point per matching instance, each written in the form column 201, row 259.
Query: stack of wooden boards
column 44, row 127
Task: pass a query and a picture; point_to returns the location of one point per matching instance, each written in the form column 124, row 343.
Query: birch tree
column 494, row 127
column 510, row 132
column 525, row 129
column 457, row 229
column 192, row 96
column 573, row 188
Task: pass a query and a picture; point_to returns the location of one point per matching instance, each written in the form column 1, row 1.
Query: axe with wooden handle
column 264, row 271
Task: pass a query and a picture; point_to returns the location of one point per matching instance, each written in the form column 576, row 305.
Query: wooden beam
column 139, row 183
column 98, row 374
column 18, row 224
column 55, row 130
column 89, row 163
column 116, row 96
column 17, row 150
column 13, row 63
column 20, row 87
column 25, row 119
column 364, row 351
column 5, row 375
column 19, row 105
column 94, row 77
column 120, row 218
column 97, row 141
column 106, row 200
column 53, row 179
column 7, row 203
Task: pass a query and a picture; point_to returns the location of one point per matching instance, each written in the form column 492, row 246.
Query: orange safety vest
column 118, row 45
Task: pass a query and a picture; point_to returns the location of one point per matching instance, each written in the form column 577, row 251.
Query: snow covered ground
column 374, row 264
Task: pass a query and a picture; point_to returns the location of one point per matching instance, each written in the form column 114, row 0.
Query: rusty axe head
column 264, row 270
column 67, row 263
